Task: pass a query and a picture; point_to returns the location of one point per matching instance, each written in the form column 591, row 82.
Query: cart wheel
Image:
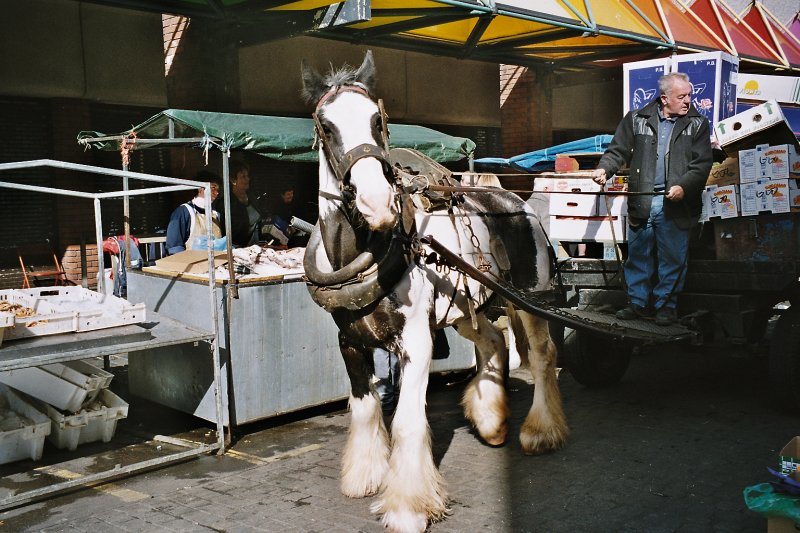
column 784, row 359
column 595, row 361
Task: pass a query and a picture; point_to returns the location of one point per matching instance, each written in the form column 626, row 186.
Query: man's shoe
column 633, row 312
column 666, row 316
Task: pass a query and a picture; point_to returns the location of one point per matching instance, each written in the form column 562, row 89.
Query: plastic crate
column 68, row 309
column 23, row 428
column 96, row 422
column 46, row 320
column 67, row 386
column 6, row 321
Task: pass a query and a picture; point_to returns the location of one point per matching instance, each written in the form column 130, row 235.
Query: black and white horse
column 385, row 289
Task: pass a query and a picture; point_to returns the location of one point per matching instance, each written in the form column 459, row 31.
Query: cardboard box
column 722, row 201
column 725, row 173
column 762, row 124
column 761, row 87
column 190, row 261
column 764, row 196
column 640, row 82
column 779, row 159
column 713, row 76
column 586, row 229
column 564, row 163
column 779, row 524
column 789, row 459
column 754, row 165
column 794, row 196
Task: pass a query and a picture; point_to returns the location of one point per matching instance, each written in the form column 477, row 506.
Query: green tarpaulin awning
column 283, row 138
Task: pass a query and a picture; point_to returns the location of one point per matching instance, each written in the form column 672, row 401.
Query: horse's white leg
column 413, row 489
column 545, row 427
column 485, row 401
column 366, row 454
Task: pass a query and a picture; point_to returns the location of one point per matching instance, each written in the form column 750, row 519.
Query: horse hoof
column 405, row 522
column 498, row 437
column 541, row 443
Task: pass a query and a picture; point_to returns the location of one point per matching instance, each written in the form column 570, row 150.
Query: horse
column 386, row 288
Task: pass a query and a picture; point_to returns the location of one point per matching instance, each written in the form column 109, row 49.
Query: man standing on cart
column 667, row 147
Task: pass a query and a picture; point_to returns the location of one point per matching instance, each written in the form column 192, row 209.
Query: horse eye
column 376, row 122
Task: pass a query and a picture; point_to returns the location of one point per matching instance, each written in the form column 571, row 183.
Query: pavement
column 670, row 448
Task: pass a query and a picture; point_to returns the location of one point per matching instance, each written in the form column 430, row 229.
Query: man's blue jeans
column 657, row 247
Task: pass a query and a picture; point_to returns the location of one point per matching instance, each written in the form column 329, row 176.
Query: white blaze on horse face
column 352, row 115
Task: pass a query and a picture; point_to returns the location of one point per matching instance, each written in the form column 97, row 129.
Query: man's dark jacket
column 688, row 162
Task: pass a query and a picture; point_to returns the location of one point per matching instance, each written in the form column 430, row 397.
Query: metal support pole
column 212, row 282
column 98, row 230
column 232, row 288
column 126, row 220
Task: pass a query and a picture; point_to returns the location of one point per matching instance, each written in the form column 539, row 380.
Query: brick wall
column 73, row 264
column 525, row 104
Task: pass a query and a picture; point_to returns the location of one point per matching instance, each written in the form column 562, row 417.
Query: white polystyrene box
column 23, row 428
column 570, row 198
column 587, row 229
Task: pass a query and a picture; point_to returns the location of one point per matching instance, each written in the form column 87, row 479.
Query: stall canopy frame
column 563, row 35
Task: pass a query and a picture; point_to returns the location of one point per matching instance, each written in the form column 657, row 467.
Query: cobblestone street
column 669, row 449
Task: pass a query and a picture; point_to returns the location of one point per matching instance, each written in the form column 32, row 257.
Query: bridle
column 342, row 167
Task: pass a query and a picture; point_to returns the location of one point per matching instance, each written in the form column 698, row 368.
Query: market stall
column 279, row 351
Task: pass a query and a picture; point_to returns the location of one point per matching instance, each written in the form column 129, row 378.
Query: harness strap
column 342, row 168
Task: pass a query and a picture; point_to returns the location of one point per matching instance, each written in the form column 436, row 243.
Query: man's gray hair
column 666, row 81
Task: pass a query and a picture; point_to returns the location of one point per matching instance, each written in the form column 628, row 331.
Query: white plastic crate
column 68, row 309
column 45, row 319
column 6, row 321
column 96, row 422
column 23, row 428
column 66, row 386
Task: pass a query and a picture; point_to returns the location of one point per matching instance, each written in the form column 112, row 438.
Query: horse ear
column 366, row 73
column 313, row 84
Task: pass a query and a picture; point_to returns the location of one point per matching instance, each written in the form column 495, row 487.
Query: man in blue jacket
column 666, row 146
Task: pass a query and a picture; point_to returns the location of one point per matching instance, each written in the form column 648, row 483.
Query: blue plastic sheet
column 540, row 160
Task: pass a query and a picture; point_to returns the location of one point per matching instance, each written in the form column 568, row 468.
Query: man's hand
column 675, row 193
column 599, row 176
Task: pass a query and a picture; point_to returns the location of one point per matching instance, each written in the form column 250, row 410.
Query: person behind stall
column 666, row 145
column 245, row 215
column 281, row 210
column 188, row 220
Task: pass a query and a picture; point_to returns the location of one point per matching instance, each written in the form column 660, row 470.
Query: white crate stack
column 579, row 214
column 74, row 398
column 71, row 399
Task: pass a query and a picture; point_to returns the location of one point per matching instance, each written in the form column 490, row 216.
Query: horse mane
column 341, row 77
column 315, row 85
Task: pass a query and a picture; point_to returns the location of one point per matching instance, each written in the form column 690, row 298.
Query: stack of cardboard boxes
column 749, row 195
